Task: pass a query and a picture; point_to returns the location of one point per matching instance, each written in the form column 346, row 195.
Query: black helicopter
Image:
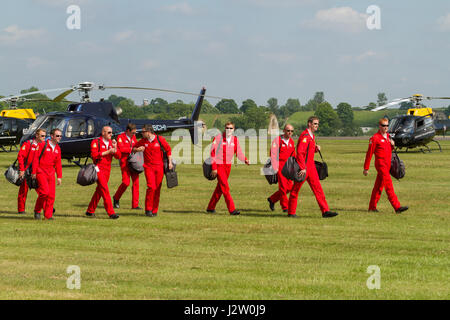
column 418, row 127
column 83, row 121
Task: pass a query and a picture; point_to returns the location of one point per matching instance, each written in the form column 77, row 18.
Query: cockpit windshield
column 48, row 123
column 401, row 122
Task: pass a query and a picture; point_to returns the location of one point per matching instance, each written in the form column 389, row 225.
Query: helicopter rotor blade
column 31, row 93
column 391, row 104
column 430, row 98
column 157, row 89
column 63, row 95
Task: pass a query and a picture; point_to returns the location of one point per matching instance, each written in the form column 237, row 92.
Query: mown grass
column 185, row 253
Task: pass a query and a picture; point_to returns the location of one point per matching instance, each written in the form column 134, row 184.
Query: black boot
column 116, row 204
column 329, row 214
column 271, row 204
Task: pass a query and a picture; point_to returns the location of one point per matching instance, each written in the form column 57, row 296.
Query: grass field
column 188, row 254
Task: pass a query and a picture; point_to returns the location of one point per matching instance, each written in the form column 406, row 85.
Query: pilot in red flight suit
column 25, row 158
column 221, row 165
column 282, row 148
column 381, row 144
column 103, row 150
column 306, row 145
column 151, row 145
column 47, row 161
column 125, row 144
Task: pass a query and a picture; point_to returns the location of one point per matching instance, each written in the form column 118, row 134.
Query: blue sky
column 239, row 49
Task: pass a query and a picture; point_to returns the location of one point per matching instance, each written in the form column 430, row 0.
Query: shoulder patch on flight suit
column 120, row 140
column 304, row 140
column 23, row 148
column 95, row 145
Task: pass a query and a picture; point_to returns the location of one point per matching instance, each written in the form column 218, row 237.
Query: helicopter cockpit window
column 90, row 127
column 420, row 123
column 5, row 125
column 51, row 123
column 76, row 128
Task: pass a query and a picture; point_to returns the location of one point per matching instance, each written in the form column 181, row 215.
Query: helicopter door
column 76, row 128
column 420, row 124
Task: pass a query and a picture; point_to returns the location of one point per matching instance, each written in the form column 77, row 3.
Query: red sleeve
column 117, row 154
column 214, row 147
column 139, row 144
column 166, row 146
column 95, row 150
column 369, row 153
column 36, row 157
column 23, row 153
column 302, row 150
column 239, row 153
column 58, row 164
column 122, row 145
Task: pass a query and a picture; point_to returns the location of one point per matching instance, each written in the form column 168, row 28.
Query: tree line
column 337, row 121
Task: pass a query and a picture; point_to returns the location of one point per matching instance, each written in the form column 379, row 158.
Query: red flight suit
column 306, row 139
column 45, row 169
column 153, row 169
column 221, row 161
column 279, row 153
column 25, row 158
column 103, row 163
column 383, row 152
column 125, row 145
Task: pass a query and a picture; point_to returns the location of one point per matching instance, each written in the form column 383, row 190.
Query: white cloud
column 343, row 19
column 281, row 3
column 444, row 23
column 150, row 64
column 279, row 57
column 36, row 62
column 215, row 47
column 365, row 56
column 13, row 34
column 61, row 3
column 124, row 36
column 183, row 8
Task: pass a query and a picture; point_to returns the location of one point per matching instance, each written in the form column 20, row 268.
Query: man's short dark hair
column 149, row 128
column 54, row 130
column 312, row 118
column 131, row 126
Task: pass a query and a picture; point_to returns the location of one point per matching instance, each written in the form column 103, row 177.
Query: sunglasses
column 57, row 135
column 42, row 135
column 289, row 130
column 384, row 125
column 229, row 128
column 109, row 132
column 316, row 123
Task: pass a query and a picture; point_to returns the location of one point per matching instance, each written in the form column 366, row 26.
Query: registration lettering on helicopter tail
column 159, row 127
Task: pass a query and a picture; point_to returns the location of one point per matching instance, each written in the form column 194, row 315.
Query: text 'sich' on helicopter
column 83, row 121
column 13, row 122
column 418, row 126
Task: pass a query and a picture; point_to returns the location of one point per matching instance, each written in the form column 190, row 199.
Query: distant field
column 362, row 118
column 188, row 254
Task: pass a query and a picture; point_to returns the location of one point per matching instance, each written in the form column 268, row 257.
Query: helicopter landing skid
column 439, row 145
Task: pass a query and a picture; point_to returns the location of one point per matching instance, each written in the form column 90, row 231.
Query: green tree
column 447, row 111
column 319, row 97
column 227, row 106
column 291, row 107
column 159, row 105
column 247, row 104
column 382, row 99
column 207, row 107
column 130, row 111
column 345, row 113
column 272, row 104
column 254, row 118
column 329, row 120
